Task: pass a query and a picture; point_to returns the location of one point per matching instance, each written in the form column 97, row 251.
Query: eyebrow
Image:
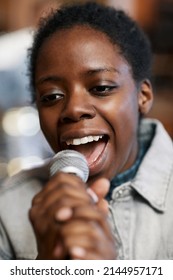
column 90, row 72
column 50, row 78
column 99, row 70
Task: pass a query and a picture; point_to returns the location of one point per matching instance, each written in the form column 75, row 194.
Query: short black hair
column 118, row 26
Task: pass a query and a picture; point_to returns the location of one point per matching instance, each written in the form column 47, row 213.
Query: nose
column 78, row 106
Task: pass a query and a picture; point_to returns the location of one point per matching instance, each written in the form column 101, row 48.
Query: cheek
column 129, row 112
column 123, row 117
column 125, row 125
column 127, row 129
column 122, row 112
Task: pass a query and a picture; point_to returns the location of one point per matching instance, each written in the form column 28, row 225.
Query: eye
column 51, row 97
column 103, row 89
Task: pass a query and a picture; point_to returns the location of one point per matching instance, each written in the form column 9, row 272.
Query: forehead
column 80, row 31
column 76, row 36
column 80, row 45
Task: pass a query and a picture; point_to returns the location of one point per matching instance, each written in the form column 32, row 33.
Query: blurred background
column 22, row 144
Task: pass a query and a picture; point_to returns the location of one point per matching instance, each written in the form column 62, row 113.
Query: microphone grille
column 72, row 162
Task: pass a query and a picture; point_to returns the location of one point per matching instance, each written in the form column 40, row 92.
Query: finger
column 101, row 187
column 104, row 206
column 93, row 195
column 88, row 214
column 64, row 193
column 56, row 182
column 84, row 240
column 63, row 214
column 78, row 253
column 58, row 195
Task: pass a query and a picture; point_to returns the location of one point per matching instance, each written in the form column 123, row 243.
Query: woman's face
column 87, row 99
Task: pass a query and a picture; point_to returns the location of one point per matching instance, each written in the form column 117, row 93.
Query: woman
column 90, row 69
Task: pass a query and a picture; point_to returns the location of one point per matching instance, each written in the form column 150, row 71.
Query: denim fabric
column 140, row 210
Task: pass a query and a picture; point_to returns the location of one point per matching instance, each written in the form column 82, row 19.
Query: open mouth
column 92, row 147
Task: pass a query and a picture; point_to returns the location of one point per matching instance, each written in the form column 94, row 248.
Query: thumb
column 101, row 188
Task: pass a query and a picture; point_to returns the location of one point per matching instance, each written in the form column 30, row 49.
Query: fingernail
column 78, row 252
column 93, row 195
column 58, row 250
column 63, row 214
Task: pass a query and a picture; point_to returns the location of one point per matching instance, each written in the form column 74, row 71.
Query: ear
column 145, row 98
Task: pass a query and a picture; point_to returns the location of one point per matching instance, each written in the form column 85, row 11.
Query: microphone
column 71, row 162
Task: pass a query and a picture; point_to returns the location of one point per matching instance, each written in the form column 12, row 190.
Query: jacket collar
column 153, row 176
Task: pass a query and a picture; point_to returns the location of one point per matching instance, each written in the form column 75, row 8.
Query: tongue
column 91, row 150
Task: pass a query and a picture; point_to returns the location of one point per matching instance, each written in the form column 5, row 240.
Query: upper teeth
column 83, row 140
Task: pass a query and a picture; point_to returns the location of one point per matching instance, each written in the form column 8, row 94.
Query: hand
column 61, row 195
column 87, row 235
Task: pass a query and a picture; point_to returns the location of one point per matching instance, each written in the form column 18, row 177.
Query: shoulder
column 24, row 184
column 16, row 194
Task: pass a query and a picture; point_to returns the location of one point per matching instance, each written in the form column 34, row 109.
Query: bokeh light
column 21, row 122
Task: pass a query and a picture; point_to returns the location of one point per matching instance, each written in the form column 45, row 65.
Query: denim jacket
column 141, row 210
